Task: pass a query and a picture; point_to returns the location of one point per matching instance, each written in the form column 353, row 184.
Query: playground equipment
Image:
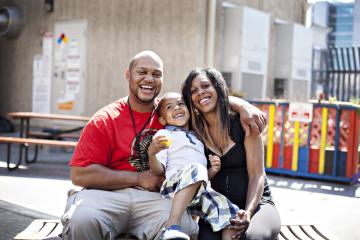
column 325, row 148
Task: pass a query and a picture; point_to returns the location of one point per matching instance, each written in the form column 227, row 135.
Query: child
column 187, row 176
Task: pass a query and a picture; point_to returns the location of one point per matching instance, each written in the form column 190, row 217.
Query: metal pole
column 331, row 69
column 355, row 72
column 337, row 89
column 343, row 75
column 349, row 71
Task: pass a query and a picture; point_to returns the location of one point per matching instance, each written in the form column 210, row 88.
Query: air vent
column 254, row 66
column 301, row 73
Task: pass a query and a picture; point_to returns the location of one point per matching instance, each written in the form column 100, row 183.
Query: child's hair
column 161, row 102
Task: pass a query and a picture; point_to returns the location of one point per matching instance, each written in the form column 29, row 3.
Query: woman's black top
column 232, row 179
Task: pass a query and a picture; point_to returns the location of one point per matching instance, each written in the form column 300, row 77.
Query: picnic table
column 52, row 137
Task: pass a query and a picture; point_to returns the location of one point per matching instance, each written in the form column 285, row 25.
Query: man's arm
column 250, row 116
column 100, row 177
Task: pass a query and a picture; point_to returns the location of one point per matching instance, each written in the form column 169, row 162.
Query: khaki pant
column 98, row 214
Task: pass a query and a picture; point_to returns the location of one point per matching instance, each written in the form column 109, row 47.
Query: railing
column 326, row 148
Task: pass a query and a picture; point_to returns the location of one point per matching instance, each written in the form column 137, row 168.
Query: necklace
column 138, row 134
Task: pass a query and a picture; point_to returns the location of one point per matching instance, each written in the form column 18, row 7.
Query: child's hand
column 158, row 143
column 215, row 163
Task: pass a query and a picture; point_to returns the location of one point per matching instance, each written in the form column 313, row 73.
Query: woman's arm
column 255, row 166
column 250, row 116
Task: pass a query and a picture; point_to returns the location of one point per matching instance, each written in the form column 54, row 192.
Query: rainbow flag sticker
column 63, row 38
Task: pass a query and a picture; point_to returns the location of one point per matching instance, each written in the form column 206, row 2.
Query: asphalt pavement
column 39, row 190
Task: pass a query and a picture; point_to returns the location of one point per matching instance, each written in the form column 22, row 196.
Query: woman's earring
column 196, row 111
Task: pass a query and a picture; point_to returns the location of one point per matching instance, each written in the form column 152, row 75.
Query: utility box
column 245, row 50
column 293, row 60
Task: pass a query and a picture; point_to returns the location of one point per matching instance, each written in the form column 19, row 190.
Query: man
column 120, row 194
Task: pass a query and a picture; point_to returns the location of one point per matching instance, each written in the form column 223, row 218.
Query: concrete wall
column 117, row 30
column 175, row 29
column 16, row 59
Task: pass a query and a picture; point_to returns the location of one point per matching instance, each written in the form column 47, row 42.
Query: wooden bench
column 47, row 133
column 30, row 141
column 48, row 229
column 303, row 232
column 43, row 229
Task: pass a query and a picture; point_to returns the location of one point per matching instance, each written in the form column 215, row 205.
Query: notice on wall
column 302, row 112
column 41, row 88
column 42, row 72
column 48, row 55
column 69, row 67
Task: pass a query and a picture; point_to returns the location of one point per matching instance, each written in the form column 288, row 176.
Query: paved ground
column 39, row 191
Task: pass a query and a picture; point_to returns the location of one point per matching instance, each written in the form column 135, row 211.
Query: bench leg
column 8, row 158
column 35, row 155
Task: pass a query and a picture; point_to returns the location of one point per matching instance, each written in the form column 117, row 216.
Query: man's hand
column 149, row 181
column 253, row 119
column 240, row 224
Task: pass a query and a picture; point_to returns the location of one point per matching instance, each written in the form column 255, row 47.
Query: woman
column 242, row 177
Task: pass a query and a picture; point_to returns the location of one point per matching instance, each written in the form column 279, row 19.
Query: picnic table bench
column 30, row 141
column 49, row 136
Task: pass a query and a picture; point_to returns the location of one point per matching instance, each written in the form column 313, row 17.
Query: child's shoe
column 174, row 233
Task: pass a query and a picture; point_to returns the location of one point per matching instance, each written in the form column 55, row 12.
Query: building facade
column 343, row 20
column 82, row 47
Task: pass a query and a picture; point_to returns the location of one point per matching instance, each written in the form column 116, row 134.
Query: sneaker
column 174, row 233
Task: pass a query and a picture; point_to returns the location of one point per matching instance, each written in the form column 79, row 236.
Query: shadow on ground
column 52, row 163
column 326, row 187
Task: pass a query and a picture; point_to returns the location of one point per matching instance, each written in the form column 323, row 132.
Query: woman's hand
column 241, row 223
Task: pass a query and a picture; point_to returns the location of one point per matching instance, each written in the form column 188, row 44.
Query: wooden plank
column 57, row 230
column 38, row 141
column 46, row 134
column 46, row 230
column 287, row 234
column 31, row 231
column 297, row 231
column 281, row 237
column 310, row 231
column 28, row 115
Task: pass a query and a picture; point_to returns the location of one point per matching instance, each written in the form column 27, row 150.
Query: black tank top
column 232, row 179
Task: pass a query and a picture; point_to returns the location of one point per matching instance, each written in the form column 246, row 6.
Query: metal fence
column 337, row 69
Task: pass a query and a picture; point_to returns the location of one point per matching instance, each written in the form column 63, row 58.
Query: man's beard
column 145, row 101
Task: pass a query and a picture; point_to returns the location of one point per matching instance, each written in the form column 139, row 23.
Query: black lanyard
column 137, row 135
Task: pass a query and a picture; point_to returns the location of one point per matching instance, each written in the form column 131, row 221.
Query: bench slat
column 38, row 141
column 46, row 134
column 296, row 230
column 313, row 232
column 287, row 234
